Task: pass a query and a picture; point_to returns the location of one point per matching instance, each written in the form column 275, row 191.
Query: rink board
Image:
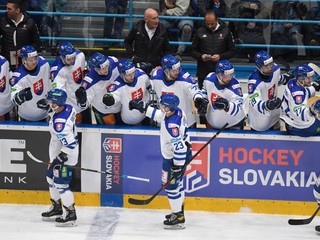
column 269, row 172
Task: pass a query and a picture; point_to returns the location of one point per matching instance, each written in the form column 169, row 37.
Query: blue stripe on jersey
column 153, row 113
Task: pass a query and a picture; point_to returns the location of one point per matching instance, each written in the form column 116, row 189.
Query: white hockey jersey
column 259, row 91
column 39, row 82
column 295, row 110
column 64, row 137
column 5, row 88
column 69, row 78
column 96, row 87
column 173, row 134
column 232, row 92
column 125, row 92
column 185, row 87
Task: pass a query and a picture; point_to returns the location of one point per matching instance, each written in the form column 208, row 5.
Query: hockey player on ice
column 95, row 85
column 264, row 102
column 132, row 84
column 299, row 118
column 171, row 79
column 67, row 72
column 30, row 83
column 225, row 97
column 63, row 153
column 175, row 150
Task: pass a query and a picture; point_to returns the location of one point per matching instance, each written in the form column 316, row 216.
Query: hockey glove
column 108, row 100
column 316, row 85
column 315, row 109
column 23, row 95
column 81, row 96
column 201, row 105
column 138, row 105
column 62, row 157
column 222, row 104
column 176, row 171
column 287, row 76
column 43, row 104
column 273, row 103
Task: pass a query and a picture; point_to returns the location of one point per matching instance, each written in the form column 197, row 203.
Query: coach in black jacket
column 147, row 42
column 211, row 44
column 17, row 29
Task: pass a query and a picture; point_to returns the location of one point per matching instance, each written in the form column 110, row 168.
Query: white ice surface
column 23, row 222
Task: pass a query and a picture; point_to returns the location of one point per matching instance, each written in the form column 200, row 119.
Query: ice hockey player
column 175, row 150
column 63, row 153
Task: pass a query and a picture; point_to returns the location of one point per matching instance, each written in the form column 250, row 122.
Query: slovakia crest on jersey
column 137, row 94
column 197, row 175
column 38, row 87
column 3, row 84
column 77, row 75
column 112, row 145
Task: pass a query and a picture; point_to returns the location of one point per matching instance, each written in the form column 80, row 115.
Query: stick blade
column 298, row 221
column 134, row 201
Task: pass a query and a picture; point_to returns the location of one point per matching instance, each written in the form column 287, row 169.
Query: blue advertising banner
column 230, row 168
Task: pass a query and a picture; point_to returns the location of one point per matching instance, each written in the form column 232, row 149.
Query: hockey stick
column 147, row 201
column 303, row 221
column 91, row 170
column 315, row 68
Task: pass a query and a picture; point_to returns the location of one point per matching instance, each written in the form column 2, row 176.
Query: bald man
column 147, row 42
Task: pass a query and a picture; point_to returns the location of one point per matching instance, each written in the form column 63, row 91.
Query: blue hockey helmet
column 170, row 100
column 304, row 74
column 57, row 96
column 224, row 71
column 99, row 60
column 67, row 50
column 170, row 62
column 315, row 109
column 262, row 58
column 28, row 52
column 127, row 70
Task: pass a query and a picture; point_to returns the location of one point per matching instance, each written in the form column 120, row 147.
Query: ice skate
column 168, row 216
column 317, row 228
column 68, row 219
column 54, row 211
column 175, row 221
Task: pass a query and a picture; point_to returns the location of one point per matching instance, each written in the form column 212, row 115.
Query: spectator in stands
column 147, row 42
column 67, row 72
column 264, row 102
column 171, row 79
column 113, row 27
column 249, row 32
column 17, row 29
column 218, row 6
column 178, row 8
column 300, row 119
column 6, row 105
column 287, row 33
column 95, row 85
column 211, row 43
column 132, row 84
column 225, row 98
column 52, row 22
column 30, row 84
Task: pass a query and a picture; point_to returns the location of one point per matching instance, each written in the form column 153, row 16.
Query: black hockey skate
column 317, row 228
column 69, row 218
column 168, row 216
column 176, row 221
column 54, row 211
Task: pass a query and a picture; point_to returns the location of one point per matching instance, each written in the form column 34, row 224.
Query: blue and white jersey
column 173, row 134
column 39, row 82
column 64, row 137
column 232, row 92
column 259, row 91
column 68, row 78
column 124, row 92
column 295, row 110
column 185, row 87
column 97, row 85
column 5, row 88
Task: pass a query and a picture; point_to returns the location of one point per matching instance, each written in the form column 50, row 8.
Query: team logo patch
column 271, row 91
column 3, row 84
column 77, row 75
column 112, row 145
column 175, row 131
column 58, row 127
column 38, row 87
column 197, row 175
column 111, row 88
column 299, row 99
column 137, row 94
